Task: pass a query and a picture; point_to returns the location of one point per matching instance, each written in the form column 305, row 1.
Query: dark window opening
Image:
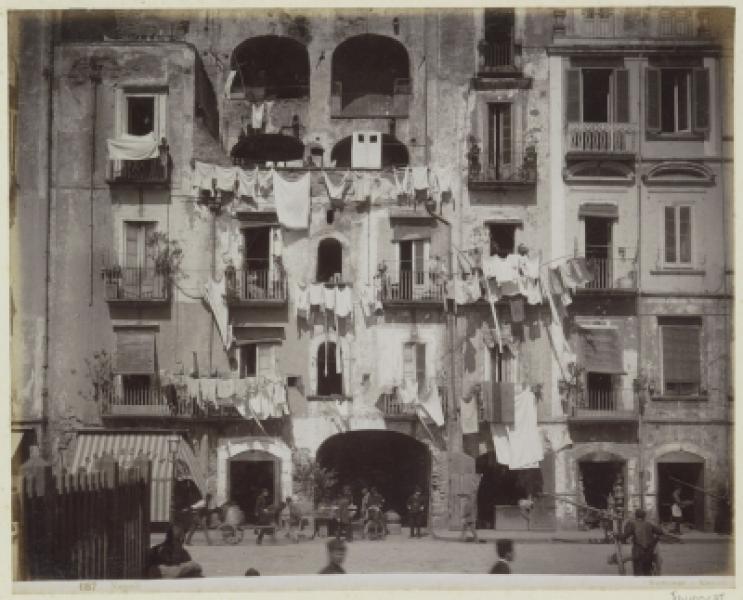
column 502, row 239
column 257, row 245
column 330, row 216
column 271, row 67
column 414, row 364
column 500, row 139
column 598, row 251
column 596, row 95
column 498, row 24
column 368, row 68
column 260, row 148
column 329, row 259
column 499, row 487
column 394, row 152
column 598, row 480
column 675, row 90
column 500, row 365
column 248, row 360
column 140, row 115
column 329, row 379
column 600, row 391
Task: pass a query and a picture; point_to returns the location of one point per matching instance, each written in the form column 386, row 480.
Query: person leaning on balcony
column 169, row 560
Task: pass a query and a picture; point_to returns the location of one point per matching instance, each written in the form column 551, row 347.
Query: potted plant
column 112, row 281
column 530, row 163
column 167, row 257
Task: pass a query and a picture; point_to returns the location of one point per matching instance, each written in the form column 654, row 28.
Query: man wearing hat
column 336, row 557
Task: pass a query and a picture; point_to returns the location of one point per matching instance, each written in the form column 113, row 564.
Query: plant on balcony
column 571, row 388
column 230, row 275
column 313, row 482
column 100, row 374
column 530, row 163
column 167, row 256
column 473, row 157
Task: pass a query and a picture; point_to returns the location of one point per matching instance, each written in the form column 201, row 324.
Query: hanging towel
column 133, row 147
column 292, row 201
column 268, row 118
column 277, row 248
column 517, row 309
column 203, row 174
column 225, row 391
column 533, row 291
column 580, row 270
column 362, row 187
column 502, row 446
column 530, row 267
column 524, row 439
column 317, row 294
column 567, row 278
column 556, row 286
column 335, row 192
column 214, row 293
column 257, row 115
column 228, row 83
column 420, row 178
column 264, row 182
column 328, row 295
column 468, row 413
column 193, row 388
column 408, row 392
column 431, row 404
column 460, row 293
column 246, row 182
column 367, row 299
column 472, row 289
column 343, row 301
column 226, row 177
column 402, row 183
column 302, row 300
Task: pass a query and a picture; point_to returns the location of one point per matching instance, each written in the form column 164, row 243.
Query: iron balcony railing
column 603, row 404
column 515, row 163
column 412, row 285
column 392, row 407
column 608, row 138
column 135, row 284
column 610, row 273
column 246, row 285
column 146, row 400
column 350, row 103
column 496, row 56
column 151, row 171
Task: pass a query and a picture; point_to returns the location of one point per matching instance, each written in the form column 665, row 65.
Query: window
column 500, row 140
column 329, row 369
column 502, row 239
column 598, row 22
column 600, row 387
column 413, row 258
column 499, row 48
column 138, row 268
column 141, row 112
column 677, row 227
column 598, row 95
column 681, row 350
column 329, row 260
column 256, row 360
column 677, row 100
column 674, row 22
column 414, row 364
column 501, row 365
column 137, row 389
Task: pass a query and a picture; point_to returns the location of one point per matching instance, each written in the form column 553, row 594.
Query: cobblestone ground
column 400, row 554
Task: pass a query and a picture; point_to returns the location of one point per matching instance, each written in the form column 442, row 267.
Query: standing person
column 416, row 510
column 336, row 557
column 645, row 537
column 262, row 516
column 469, row 518
column 504, row 549
column 364, row 509
column 200, row 519
column 376, row 499
column 677, row 512
column 345, row 514
column 295, row 519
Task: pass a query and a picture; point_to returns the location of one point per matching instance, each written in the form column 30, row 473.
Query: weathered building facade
column 267, row 220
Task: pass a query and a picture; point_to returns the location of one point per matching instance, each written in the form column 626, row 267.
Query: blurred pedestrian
column 295, row 519
column 416, row 511
column 345, row 515
column 336, row 557
column 365, row 493
column 170, row 560
column 677, row 513
column 504, row 550
column 200, row 513
column 262, row 515
column 376, row 502
column 252, row 573
column 645, row 538
column 469, row 518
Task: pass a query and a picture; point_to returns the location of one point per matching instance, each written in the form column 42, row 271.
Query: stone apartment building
column 282, row 228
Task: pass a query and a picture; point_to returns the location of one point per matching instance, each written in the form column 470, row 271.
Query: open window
column 271, row 67
column 135, row 363
column 329, row 370
column 677, row 229
column 256, row 360
column 500, row 140
column 498, row 48
column 598, row 95
column 142, row 111
column 414, row 364
column 502, row 239
column 677, row 100
column 138, row 276
column 599, row 254
column 329, row 260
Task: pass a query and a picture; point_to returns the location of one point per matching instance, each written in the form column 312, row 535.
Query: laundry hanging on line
column 292, row 201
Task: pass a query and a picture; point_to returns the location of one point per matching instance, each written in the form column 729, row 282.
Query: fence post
column 144, row 491
column 38, row 483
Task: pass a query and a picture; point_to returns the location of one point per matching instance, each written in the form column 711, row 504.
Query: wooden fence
column 84, row 526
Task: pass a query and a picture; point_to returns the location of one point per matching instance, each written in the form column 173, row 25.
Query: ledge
column 697, row 272
column 332, row 397
column 484, row 82
column 697, row 398
column 674, row 137
column 496, row 185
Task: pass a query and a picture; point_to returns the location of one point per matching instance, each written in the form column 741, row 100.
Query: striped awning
column 125, row 447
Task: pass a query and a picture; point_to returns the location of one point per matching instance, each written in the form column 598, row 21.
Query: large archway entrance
column 681, row 469
column 393, row 462
column 249, row 473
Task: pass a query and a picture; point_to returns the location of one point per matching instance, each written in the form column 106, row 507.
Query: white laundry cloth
column 533, row 291
column 524, row 438
column 468, row 414
column 338, row 357
column 502, row 446
column 444, row 179
column 302, row 300
column 362, row 187
column 530, row 267
column 420, row 178
column 402, row 183
column 367, row 299
column 225, row 390
column 343, row 301
column 317, row 294
column 257, row 115
column 269, row 118
column 228, row 83
column 292, row 201
column 335, row 192
column 408, row 392
column 203, row 174
column 567, row 277
column 193, row 387
column 246, row 182
column 226, row 177
column 214, row 293
column 133, row 147
column 431, row 403
column 328, row 295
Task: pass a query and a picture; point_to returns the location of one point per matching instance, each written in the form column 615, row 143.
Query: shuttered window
column 621, row 96
column 677, row 100
column 681, row 348
column 573, row 95
column 597, row 95
column 257, row 360
column 701, row 99
column 677, row 235
column 652, row 83
column 414, row 364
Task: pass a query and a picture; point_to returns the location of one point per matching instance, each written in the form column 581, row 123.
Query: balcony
column 366, row 105
column 602, row 405
column 256, row 287
column 152, row 172
column 329, row 398
column 411, row 287
column 612, row 140
column 516, row 168
column 146, row 401
column 135, row 285
column 392, row 408
column 611, row 275
column 496, row 58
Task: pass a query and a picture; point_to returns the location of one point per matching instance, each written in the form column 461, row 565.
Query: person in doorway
column 345, row 515
column 416, row 511
column 645, row 538
column 526, row 505
column 677, row 512
column 376, row 501
column 262, row 515
column 504, row 550
column 618, row 490
column 200, row 513
column 364, row 508
column 469, row 519
column 336, row 558
column 169, row 560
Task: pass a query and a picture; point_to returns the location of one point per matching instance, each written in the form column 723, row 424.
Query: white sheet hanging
column 214, row 293
column 133, row 147
column 292, row 201
column 203, row 174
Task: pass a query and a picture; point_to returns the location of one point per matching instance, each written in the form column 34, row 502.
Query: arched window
column 329, row 259
column 329, row 375
column 394, row 152
column 368, row 71
column 271, row 66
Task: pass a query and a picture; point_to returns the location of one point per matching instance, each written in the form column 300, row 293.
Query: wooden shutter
column 408, row 362
column 685, row 234
column 652, row 100
column 670, row 234
column 149, row 252
column 573, row 95
column 135, row 353
column 420, row 367
column 492, row 115
column 621, row 96
column 131, row 247
column 264, row 361
column 700, row 89
column 681, row 353
column 506, row 134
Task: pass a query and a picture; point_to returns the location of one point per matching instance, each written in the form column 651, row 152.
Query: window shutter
column 573, row 96
column 701, row 100
column 621, row 78
column 681, row 354
column 131, row 254
column 670, row 230
column 420, row 366
column 264, row 356
column 507, row 135
column 685, row 234
column 652, row 80
column 408, row 363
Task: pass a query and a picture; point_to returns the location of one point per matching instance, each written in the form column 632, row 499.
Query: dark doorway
column 247, row 479
column 329, row 376
column 599, row 479
column 393, row 462
column 329, row 259
column 669, row 475
column 599, row 251
column 257, row 241
column 596, row 95
column 271, row 66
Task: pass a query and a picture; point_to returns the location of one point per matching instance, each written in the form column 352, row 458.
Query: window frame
column 263, row 350
column 514, row 227
column 142, row 225
column 677, row 264
column 421, row 371
column 619, row 110
column 160, row 96
column 692, row 323
column 676, row 109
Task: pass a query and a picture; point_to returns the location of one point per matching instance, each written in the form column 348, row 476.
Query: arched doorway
column 249, row 473
column 394, row 152
column 329, row 259
column 393, row 462
column 598, row 472
column 683, row 470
